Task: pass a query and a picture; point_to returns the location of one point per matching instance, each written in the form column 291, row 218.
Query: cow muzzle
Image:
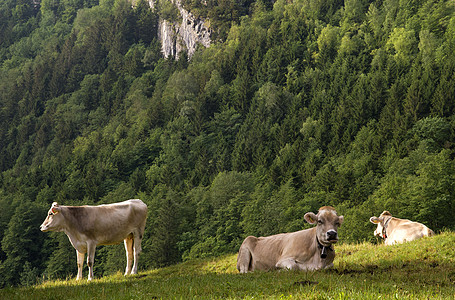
column 332, row 236
column 44, row 228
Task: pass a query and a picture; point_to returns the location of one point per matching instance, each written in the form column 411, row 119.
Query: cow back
column 107, row 223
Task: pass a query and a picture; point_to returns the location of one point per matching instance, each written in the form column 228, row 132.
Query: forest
column 295, row 105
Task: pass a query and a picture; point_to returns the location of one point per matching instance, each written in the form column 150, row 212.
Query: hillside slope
column 295, row 105
column 423, row 269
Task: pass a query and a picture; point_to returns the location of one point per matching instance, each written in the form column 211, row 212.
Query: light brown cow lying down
column 308, row 249
column 90, row 226
column 397, row 231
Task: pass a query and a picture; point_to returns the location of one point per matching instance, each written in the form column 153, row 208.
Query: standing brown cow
column 90, row 226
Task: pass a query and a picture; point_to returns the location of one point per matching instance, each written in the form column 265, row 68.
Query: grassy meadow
column 423, row 269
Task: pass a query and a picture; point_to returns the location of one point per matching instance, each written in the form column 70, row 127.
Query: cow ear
column 341, row 219
column 311, row 218
column 55, row 208
column 375, row 220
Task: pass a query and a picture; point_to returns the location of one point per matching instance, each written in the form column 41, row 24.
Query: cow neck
column 71, row 230
column 323, row 248
column 384, row 227
column 70, row 227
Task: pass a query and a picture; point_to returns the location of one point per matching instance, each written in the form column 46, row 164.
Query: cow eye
column 320, row 222
column 50, row 214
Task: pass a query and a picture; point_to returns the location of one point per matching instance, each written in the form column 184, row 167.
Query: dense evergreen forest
column 296, row 104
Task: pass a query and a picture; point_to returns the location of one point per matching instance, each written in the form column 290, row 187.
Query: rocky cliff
column 184, row 35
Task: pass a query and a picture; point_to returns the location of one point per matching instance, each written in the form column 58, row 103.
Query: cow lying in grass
column 308, row 249
column 397, row 231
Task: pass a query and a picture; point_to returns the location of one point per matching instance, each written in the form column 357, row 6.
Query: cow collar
column 384, row 228
column 323, row 248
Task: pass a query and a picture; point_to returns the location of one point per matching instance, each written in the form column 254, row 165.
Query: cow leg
column 329, row 266
column 243, row 260
column 129, row 254
column 80, row 264
column 287, row 263
column 137, row 250
column 90, row 259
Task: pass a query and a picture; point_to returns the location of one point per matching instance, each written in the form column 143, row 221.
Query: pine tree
column 23, row 242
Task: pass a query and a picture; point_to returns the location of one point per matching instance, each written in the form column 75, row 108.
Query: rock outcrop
column 183, row 36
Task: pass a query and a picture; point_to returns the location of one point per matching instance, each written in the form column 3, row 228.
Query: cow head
column 54, row 219
column 327, row 222
column 380, row 222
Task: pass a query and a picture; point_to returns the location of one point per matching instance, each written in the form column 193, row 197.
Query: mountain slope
column 296, row 105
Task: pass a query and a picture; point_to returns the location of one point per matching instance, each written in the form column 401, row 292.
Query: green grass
column 423, row 269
